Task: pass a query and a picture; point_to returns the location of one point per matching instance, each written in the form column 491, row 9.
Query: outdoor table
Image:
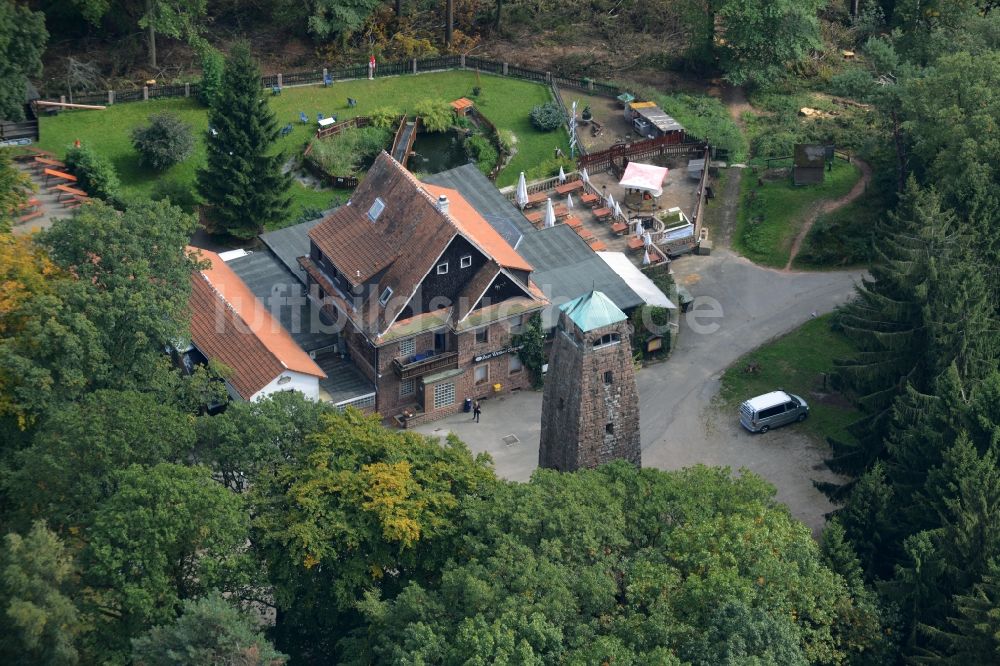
column 573, row 222
column 598, row 246
column 602, row 213
column 635, row 243
column 584, row 234
column 535, row 199
column 569, row 187
column 619, row 228
column 539, row 215
column 58, row 174
column 326, row 122
column 66, row 189
column 42, row 162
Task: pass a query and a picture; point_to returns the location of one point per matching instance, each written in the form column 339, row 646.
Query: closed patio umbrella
column 569, row 202
column 584, row 176
column 562, row 175
column 611, row 202
column 645, row 257
column 618, row 210
column 521, row 195
column 550, row 214
column 647, row 239
column 638, row 229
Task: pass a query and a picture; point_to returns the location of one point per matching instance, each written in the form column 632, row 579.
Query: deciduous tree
column 22, row 42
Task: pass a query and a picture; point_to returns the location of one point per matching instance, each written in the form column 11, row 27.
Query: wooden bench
column 598, row 246
column 539, row 215
column 603, row 213
column 589, row 199
column 30, row 216
column 569, row 187
column 52, row 173
column 42, row 162
column 619, row 228
column 66, row 189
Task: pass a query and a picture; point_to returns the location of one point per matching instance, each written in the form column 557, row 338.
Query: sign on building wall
column 493, row 354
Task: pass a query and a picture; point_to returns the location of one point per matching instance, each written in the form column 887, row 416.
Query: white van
column 771, row 410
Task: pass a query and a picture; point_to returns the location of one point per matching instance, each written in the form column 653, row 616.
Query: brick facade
column 590, row 408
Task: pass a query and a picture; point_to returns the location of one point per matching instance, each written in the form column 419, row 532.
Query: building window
column 609, row 429
column 609, row 377
column 386, row 295
column 408, row 347
column 377, row 207
column 407, row 387
column 607, row 339
column 482, row 373
column 482, row 335
column 515, row 364
column 466, row 261
column 444, row 395
column 442, row 268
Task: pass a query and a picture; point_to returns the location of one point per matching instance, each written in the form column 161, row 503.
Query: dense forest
column 137, row 528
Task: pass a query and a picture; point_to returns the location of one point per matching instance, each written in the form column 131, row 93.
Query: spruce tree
column 973, row 634
column 242, row 182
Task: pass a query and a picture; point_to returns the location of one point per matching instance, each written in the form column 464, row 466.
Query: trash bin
column 467, row 407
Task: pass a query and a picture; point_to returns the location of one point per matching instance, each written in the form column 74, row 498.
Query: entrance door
column 440, row 342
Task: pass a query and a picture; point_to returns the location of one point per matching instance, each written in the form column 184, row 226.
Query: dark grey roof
column 343, row 380
column 484, row 196
column 566, row 267
column 290, row 243
column 284, row 297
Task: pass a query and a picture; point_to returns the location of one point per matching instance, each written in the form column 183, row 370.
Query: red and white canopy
column 644, row 177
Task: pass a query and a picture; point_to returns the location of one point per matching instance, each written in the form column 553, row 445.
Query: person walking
column 476, row 411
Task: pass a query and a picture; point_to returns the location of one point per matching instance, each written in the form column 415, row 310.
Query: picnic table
column 52, row 173
column 585, row 234
column 619, row 228
column 573, row 222
column 598, row 246
column 603, row 213
column 535, row 199
column 636, row 243
column 569, row 187
column 326, row 122
column 589, row 199
column 66, row 189
column 539, row 215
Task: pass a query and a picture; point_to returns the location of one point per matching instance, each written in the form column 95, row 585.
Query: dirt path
column 830, row 206
column 736, row 101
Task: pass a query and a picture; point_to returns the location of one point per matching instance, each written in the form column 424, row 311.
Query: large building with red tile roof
column 426, row 293
column 230, row 326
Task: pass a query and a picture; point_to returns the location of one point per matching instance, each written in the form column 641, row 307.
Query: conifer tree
column 242, row 182
column 973, row 634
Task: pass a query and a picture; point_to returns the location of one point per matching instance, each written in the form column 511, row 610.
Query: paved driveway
column 738, row 307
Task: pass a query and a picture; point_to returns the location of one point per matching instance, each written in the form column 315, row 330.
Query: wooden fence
column 672, row 144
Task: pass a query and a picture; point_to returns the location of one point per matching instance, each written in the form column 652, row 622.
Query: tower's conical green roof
column 593, row 310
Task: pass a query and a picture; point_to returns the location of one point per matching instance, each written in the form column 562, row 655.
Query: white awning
column 644, row 177
column 636, row 279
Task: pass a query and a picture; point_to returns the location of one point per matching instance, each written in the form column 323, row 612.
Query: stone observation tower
column 590, row 409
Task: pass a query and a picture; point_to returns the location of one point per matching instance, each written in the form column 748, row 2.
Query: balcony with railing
column 425, row 363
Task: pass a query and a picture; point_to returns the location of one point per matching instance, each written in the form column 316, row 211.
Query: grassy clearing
column 843, row 238
column 772, row 214
column 506, row 102
column 796, row 363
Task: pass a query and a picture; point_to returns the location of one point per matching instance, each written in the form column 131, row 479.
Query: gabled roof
column 592, row 311
column 401, row 246
column 229, row 325
column 475, row 228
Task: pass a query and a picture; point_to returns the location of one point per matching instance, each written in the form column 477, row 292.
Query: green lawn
column 796, row 363
column 506, row 102
column 771, row 215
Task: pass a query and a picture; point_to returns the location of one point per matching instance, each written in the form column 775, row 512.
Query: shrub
column 550, row 167
column 436, row 114
column 480, row 149
column 163, row 143
column 179, row 193
column 347, row 153
column 384, row 117
column 507, row 140
column 95, row 174
column 212, row 64
column 547, row 117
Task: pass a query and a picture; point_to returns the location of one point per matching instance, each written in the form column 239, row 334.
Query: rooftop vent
column 442, row 204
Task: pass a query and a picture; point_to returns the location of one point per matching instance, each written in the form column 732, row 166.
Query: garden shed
column 809, row 160
column 651, row 121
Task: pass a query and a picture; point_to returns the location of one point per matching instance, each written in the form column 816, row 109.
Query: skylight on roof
column 377, row 207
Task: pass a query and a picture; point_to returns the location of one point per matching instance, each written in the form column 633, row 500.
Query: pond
column 434, row 152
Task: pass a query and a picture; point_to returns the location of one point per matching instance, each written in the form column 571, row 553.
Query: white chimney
column 442, row 204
